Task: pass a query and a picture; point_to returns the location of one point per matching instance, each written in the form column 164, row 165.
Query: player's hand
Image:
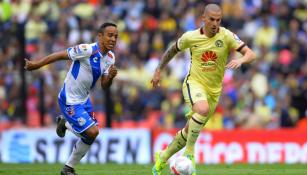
column 234, row 64
column 112, row 71
column 156, row 79
column 30, row 65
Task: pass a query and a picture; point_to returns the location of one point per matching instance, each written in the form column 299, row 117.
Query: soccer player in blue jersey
column 89, row 63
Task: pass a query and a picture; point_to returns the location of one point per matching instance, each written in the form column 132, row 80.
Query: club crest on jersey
column 70, row 110
column 219, row 43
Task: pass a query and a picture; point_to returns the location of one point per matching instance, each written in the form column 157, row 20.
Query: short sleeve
column 110, row 60
column 183, row 42
column 79, row 52
column 234, row 41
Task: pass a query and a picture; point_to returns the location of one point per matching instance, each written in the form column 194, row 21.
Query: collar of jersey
column 101, row 53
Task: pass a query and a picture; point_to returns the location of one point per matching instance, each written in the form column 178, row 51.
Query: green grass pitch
column 132, row 169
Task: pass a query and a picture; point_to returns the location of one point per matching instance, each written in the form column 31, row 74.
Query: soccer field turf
column 116, row 169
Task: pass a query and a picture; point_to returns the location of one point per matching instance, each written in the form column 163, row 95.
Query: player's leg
column 177, row 144
column 196, row 124
column 81, row 122
column 82, row 146
column 196, row 97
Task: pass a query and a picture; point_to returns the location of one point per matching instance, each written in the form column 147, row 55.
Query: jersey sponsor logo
column 81, row 121
column 209, row 61
column 219, row 43
column 209, row 56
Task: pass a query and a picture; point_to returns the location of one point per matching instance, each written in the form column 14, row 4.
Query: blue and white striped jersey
column 89, row 63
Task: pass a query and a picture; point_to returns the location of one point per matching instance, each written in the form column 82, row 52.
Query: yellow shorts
column 193, row 92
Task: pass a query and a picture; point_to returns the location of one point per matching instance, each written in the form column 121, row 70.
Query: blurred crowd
column 270, row 93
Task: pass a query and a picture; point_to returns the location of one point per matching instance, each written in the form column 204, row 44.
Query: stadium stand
column 272, row 93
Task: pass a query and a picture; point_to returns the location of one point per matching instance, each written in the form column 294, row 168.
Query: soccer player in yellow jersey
column 209, row 46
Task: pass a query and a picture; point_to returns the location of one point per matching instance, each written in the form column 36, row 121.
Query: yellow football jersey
column 209, row 56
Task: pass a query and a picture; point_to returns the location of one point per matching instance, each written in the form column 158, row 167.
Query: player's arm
column 248, row 56
column 36, row 64
column 167, row 56
column 107, row 80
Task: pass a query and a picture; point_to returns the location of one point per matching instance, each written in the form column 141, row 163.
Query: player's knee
column 202, row 111
column 87, row 140
column 202, row 108
column 93, row 133
column 90, row 135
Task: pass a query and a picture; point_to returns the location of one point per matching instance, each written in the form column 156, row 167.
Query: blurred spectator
column 266, row 35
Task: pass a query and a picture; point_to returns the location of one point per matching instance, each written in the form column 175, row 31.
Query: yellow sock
column 196, row 124
column 177, row 144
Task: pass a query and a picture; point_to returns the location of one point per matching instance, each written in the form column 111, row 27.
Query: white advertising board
column 43, row 145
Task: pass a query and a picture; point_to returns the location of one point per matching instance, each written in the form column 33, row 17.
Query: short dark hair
column 105, row 25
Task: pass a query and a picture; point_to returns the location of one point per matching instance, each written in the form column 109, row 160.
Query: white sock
column 80, row 149
column 69, row 127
